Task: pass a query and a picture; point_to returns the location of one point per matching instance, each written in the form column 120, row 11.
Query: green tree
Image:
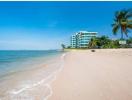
column 112, row 44
column 122, row 22
column 93, row 43
column 129, row 42
column 68, row 47
column 103, row 41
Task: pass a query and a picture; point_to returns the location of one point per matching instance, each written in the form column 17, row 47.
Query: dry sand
column 100, row 75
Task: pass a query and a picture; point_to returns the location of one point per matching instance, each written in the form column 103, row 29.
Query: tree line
column 122, row 23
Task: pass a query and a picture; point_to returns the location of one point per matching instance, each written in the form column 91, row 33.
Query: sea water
column 26, row 75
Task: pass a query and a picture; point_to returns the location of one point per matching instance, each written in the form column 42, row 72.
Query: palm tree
column 123, row 22
column 104, row 40
column 93, row 43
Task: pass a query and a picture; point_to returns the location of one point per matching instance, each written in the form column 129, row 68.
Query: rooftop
column 86, row 32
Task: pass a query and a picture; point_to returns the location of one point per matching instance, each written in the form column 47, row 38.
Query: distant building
column 73, row 41
column 81, row 39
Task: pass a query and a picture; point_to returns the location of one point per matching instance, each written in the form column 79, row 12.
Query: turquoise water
column 11, row 60
column 25, row 72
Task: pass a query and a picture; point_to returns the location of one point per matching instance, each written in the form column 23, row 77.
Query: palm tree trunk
column 122, row 37
column 121, row 34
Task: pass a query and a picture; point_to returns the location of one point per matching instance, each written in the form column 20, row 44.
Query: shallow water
column 25, row 75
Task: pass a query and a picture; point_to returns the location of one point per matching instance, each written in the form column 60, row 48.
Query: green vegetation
column 102, row 42
column 105, row 42
column 123, row 22
column 93, row 43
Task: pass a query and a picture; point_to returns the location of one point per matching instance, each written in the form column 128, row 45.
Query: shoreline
column 101, row 75
column 31, row 84
column 74, row 76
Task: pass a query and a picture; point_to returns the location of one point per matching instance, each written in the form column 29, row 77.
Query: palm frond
column 126, row 32
column 129, row 26
column 113, row 25
column 129, row 13
column 129, row 21
column 122, row 21
column 116, row 14
column 115, row 28
column 115, row 20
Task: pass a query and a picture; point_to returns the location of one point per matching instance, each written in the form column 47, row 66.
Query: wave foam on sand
column 40, row 90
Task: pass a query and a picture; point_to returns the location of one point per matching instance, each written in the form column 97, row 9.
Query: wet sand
column 101, row 75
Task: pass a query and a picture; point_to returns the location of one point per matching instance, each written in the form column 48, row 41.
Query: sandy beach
column 101, row 75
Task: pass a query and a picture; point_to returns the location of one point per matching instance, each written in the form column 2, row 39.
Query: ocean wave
column 30, row 91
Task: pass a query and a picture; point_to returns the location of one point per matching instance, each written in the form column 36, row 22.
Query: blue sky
column 45, row 25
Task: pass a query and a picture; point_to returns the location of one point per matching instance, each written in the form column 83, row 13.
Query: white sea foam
column 24, row 91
